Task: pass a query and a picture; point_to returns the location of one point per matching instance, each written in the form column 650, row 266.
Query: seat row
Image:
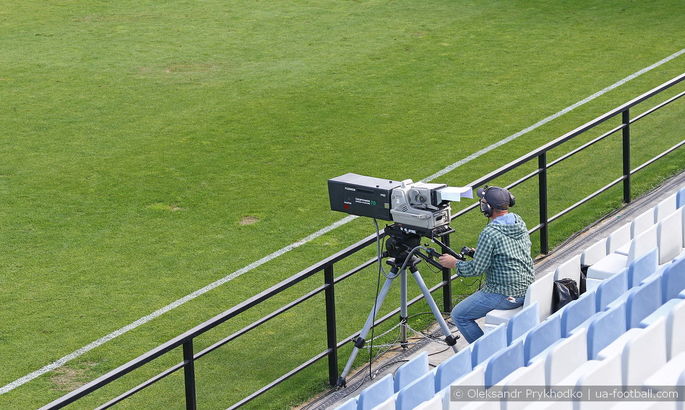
column 602, row 333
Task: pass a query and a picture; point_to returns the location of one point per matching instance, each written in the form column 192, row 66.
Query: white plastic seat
column 433, row 404
column 533, row 375
column 564, row 357
column 674, row 311
column 475, row 377
column 665, row 207
column 540, row 291
column 643, row 222
column 606, row 373
column 670, row 236
column 668, row 374
column 615, row 262
column 619, row 239
column 569, row 269
column 594, row 253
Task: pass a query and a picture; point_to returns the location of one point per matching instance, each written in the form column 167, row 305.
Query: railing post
column 542, row 184
column 447, row 278
column 189, row 372
column 626, row 156
column 329, row 278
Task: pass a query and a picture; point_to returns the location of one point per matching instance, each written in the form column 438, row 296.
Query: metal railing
column 326, row 266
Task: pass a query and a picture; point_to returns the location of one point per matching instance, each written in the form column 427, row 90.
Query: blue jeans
column 477, row 306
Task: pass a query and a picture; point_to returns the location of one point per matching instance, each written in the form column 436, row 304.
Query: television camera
column 417, row 210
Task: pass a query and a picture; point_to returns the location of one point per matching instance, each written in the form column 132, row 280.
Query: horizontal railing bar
column 261, row 321
column 663, row 154
column 523, row 179
column 571, row 134
column 534, row 229
column 656, row 107
column 586, row 199
column 582, row 147
column 280, row 380
column 143, row 385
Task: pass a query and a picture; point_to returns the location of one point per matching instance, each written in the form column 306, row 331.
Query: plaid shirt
column 503, row 253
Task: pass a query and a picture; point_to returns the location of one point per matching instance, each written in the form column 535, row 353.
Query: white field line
column 25, row 379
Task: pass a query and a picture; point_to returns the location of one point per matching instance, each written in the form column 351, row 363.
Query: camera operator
column 503, row 253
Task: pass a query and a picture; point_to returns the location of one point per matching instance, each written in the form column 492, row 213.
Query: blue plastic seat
column 376, row 394
column 541, row 337
column 351, row 404
column 415, row 393
column 453, row 368
column 611, row 289
column 578, row 312
column 488, row 344
column 680, row 198
column 502, row 363
column 606, row 327
column 411, row 371
column 673, row 279
column 642, row 267
column 643, row 301
column 524, row 320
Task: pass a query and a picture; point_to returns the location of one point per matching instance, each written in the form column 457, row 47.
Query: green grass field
column 151, row 148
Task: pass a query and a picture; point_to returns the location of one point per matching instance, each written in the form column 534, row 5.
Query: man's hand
column 447, row 261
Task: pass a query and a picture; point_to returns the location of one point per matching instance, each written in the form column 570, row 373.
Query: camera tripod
column 405, row 256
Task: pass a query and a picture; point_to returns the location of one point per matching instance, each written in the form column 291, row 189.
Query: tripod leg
column 359, row 342
column 403, row 308
column 434, row 308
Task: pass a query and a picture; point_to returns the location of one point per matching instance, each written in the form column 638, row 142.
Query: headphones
column 486, row 208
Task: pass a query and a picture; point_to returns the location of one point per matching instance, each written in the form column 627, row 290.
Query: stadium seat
column 643, row 300
column 376, row 394
column 541, row 337
column 673, row 279
column 642, row 222
column 503, row 363
column 674, row 312
column 604, row 328
column 564, row 356
column 456, row 366
column 668, row 374
column 522, row 322
column 415, row 393
column 665, row 207
column 410, row 371
column 533, row 375
column 539, row 291
column 488, row 344
column 680, row 198
column 569, row 269
column 475, row 377
column 670, row 236
column 351, row 404
column 611, row 289
column 388, row 404
column 615, row 262
column 642, row 267
column 578, row 311
column 620, row 238
column 645, row 354
column 435, row 403
column 594, row 253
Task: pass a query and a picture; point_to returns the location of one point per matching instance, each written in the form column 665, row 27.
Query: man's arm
column 480, row 262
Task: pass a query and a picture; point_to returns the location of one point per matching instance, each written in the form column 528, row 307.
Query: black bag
column 565, row 290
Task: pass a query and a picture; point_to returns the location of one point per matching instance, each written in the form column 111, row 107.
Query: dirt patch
column 248, row 220
column 68, row 378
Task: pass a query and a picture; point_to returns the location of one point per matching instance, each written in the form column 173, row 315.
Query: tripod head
column 404, row 243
